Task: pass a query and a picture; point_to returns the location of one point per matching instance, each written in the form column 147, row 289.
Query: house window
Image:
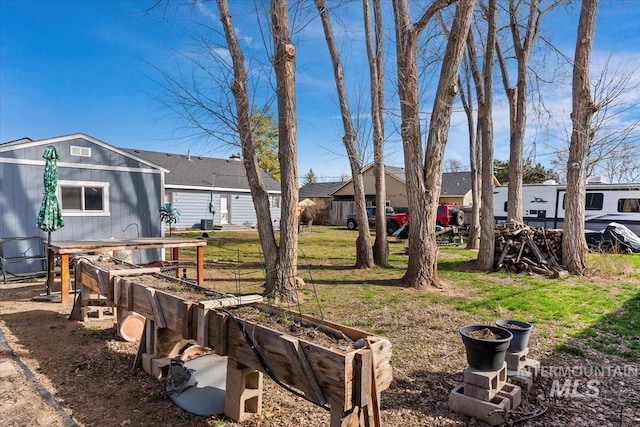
column 628, row 205
column 80, row 151
column 84, row 198
column 275, row 200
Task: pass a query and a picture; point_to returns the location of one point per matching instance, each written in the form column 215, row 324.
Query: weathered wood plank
column 218, row 324
column 301, row 365
column 89, row 280
column 231, row 301
column 329, row 366
column 156, row 307
column 135, row 271
column 202, row 335
column 382, row 351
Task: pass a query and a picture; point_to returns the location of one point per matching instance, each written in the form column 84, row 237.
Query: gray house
column 209, row 192
column 104, row 192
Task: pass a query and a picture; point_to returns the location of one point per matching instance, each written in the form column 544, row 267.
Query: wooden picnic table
column 64, row 248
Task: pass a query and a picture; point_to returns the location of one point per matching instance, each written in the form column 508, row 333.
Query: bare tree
column 614, row 150
column 424, row 180
column 485, row 123
column 574, row 245
column 376, row 76
column 466, row 98
column 523, row 38
column 364, row 252
column 284, row 66
column 454, row 165
column 279, row 260
column 484, row 93
column 622, row 165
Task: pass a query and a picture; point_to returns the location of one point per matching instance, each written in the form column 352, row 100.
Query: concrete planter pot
column 486, row 354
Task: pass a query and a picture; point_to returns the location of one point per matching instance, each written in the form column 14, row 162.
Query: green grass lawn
column 602, row 309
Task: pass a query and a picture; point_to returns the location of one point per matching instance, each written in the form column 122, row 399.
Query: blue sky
column 91, row 67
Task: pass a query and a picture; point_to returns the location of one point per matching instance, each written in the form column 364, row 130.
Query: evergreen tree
column 309, row 178
column 264, row 132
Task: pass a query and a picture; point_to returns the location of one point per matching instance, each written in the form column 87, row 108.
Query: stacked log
column 519, row 248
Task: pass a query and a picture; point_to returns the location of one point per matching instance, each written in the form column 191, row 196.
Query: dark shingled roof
column 319, row 189
column 455, row 183
column 198, row 171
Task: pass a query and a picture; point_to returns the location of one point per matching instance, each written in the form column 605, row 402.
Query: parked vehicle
column 449, row 215
column 395, row 220
column 543, row 205
column 445, row 235
column 615, row 238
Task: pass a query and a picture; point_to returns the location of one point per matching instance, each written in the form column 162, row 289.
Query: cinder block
column 515, row 361
column 480, row 392
column 490, row 380
column 532, row 366
column 529, row 368
column 243, row 391
column 513, row 393
column 493, row 412
column 524, row 382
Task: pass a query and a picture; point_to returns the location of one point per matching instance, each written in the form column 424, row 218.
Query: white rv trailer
column 543, row 205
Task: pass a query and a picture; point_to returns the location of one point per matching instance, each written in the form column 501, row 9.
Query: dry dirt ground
column 57, row 372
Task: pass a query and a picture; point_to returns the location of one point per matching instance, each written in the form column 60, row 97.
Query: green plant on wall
column 169, row 214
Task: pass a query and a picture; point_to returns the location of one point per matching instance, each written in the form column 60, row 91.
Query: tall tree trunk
column 284, row 66
column 374, row 56
column 364, row 252
column 259, row 191
column 423, row 183
column 574, row 245
column 485, row 124
column 467, row 104
column 517, row 99
column 439, row 128
column 472, row 74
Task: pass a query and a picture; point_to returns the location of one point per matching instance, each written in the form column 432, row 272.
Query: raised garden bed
column 326, row 362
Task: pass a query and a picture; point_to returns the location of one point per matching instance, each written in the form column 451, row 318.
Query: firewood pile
column 519, row 248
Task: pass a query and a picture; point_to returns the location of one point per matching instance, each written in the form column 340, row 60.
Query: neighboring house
column 456, row 188
column 209, row 192
column 320, row 194
column 395, row 185
column 105, row 192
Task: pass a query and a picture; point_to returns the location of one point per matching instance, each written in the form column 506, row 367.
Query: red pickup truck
column 394, row 220
column 448, row 215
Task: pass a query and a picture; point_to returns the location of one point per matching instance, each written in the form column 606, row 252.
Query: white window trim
column 105, row 196
column 276, row 201
column 78, row 151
